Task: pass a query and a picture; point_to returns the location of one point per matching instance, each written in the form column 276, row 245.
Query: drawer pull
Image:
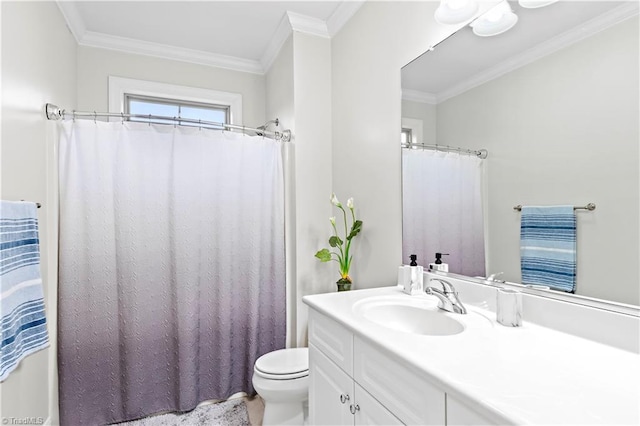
column 354, row 408
column 344, row 398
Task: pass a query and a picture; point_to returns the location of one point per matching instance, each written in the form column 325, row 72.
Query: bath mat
column 226, row 413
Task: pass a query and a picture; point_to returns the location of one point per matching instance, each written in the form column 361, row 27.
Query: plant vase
column 344, row 284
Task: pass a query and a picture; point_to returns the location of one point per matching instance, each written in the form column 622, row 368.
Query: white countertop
column 525, row 375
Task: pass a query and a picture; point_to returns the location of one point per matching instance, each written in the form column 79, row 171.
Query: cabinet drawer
column 332, row 339
column 410, row 398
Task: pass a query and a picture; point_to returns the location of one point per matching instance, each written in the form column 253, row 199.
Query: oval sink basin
column 415, row 315
column 411, row 319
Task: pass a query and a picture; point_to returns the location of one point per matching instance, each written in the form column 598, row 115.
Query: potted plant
column 343, row 254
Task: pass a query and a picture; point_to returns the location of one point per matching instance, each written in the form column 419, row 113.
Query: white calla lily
column 350, row 203
column 335, row 200
column 332, row 219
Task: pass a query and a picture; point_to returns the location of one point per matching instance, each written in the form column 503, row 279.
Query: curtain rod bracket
column 53, row 112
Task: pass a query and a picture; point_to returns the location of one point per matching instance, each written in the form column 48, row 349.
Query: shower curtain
column 442, row 209
column 172, row 271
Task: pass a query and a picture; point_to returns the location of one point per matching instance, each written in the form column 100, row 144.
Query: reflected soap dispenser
column 438, row 265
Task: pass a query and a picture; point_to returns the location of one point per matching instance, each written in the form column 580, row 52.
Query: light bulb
column 496, row 21
column 534, row 4
column 451, row 12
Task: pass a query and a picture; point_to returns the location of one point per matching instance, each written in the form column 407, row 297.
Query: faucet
column 492, row 277
column 448, row 297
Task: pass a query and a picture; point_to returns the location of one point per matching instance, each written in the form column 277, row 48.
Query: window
column 148, row 105
column 405, row 136
column 150, row 97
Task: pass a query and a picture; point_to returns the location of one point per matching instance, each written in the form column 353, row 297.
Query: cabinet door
column 370, row 412
column 330, row 391
column 459, row 414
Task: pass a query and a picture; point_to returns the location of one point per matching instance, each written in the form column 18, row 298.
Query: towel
column 548, row 247
column 23, row 321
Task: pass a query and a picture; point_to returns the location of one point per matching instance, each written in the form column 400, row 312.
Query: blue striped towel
column 548, row 247
column 24, row 326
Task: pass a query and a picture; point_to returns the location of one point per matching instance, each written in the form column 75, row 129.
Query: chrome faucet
column 492, row 277
column 448, row 297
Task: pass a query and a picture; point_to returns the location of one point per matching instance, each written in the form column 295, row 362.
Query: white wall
column 313, row 181
column 298, row 87
column 563, row 130
column 38, row 66
column 96, row 65
column 367, row 55
column 280, row 103
column 425, row 112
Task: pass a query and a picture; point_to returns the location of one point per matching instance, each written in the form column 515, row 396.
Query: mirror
column 555, row 102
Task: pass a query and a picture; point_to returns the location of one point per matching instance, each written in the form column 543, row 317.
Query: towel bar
column 590, row 207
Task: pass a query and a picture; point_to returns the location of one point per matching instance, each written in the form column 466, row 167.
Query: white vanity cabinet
column 354, row 382
column 335, row 398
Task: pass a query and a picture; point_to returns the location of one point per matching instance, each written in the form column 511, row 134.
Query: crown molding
column 74, row 20
column 545, row 48
column 308, row 25
column 275, row 44
column 342, row 14
column 105, row 41
column 289, row 23
column 418, row 96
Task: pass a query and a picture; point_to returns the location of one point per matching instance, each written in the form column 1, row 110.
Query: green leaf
column 335, row 241
column 355, row 229
column 324, row 255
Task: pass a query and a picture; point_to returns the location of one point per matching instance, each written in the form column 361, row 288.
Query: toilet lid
column 284, row 362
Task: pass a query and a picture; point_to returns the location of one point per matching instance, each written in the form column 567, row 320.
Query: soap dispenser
column 438, row 265
column 414, row 285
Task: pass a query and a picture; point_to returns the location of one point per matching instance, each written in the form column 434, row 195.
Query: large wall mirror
column 553, row 103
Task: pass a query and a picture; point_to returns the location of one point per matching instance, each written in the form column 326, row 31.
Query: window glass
column 143, row 105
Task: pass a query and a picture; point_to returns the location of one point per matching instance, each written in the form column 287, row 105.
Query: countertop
column 524, row 375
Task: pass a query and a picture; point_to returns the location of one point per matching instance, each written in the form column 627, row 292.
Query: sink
column 409, row 315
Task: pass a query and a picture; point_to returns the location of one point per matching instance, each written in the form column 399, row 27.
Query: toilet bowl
column 281, row 378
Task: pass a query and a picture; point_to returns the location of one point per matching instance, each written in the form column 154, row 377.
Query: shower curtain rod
column 481, row 153
column 53, row 112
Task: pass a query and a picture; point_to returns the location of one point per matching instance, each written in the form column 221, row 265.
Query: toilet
column 281, row 378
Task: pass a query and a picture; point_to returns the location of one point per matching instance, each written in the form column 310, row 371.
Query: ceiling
column 465, row 60
column 240, row 35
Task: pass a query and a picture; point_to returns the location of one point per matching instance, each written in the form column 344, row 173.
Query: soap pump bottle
column 415, row 284
column 414, row 269
column 438, row 265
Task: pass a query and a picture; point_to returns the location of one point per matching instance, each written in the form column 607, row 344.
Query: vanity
column 379, row 356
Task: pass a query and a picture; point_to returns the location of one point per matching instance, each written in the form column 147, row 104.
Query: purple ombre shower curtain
column 172, row 270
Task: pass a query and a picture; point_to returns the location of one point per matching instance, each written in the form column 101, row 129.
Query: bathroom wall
column 425, row 112
column 96, row 65
column 313, row 181
column 581, row 147
column 38, row 66
column 298, row 88
column 367, row 55
column 280, row 103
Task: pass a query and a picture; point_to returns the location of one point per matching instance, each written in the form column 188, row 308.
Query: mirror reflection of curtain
column 442, row 209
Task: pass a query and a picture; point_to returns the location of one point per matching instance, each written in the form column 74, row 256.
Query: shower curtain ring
column 95, row 117
column 122, row 118
column 199, row 124
column 73, row 116
column 175, row 125
column 149, row 120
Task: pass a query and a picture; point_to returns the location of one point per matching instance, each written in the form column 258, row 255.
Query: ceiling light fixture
column 451, row 12
column 534, row 4
column 496, row 21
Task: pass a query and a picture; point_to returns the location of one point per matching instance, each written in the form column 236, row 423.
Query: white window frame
column 415, row 125
column 119, row 86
